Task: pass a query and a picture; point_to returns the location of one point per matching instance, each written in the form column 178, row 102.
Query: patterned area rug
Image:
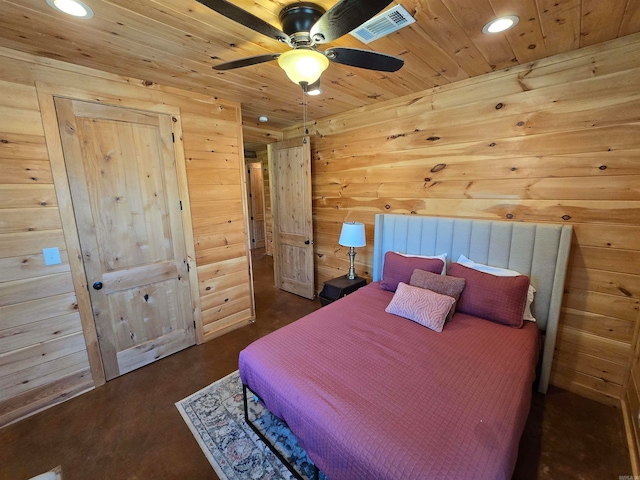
column 216, row 418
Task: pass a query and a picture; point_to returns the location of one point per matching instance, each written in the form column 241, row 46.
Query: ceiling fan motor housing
column 300, row 17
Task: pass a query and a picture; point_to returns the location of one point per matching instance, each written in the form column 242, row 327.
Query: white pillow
column 442, row 256
column 502, row 272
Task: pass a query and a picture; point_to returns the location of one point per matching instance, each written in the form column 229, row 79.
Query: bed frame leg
column 267, row 442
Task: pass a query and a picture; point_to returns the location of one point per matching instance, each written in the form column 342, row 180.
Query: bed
column 372, row 395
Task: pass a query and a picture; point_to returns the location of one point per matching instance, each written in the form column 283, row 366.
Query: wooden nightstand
column 339, row 287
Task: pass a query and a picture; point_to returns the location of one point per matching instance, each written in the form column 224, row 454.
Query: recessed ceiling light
column 72, row 7
column 263, row 119
column 500, row 24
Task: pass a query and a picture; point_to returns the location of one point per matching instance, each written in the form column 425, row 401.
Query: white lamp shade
column 303, row 65
column 352, row 235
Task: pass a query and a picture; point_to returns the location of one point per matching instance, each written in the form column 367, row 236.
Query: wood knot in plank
column 438, row 167
column 499, row 106
column 566, row 217
column 625, row 291
column 397, row 135
column 509, row 215
column 433, row 139
column 602, row 167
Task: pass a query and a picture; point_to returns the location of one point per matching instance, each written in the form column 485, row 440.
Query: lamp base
column 352, row 271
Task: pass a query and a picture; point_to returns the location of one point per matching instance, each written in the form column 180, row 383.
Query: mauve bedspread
column 370, row 395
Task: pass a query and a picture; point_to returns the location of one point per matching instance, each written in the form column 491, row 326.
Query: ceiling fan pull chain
column 305, row 131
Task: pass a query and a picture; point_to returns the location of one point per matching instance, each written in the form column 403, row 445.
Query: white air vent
column 383, row 24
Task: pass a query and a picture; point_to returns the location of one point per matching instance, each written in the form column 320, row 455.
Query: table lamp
column 352, row 235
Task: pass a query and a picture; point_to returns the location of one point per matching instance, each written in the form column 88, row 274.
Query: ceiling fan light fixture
column 303, row 65
column 313, row 89
column 75, row 8
column 500, row 24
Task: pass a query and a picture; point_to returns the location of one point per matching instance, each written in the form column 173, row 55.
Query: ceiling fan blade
column 245, row 18
column 343, row 17
column 364, row 59
column 245, row 62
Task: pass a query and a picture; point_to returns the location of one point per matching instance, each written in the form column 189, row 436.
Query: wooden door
column 256, row 204
column 290, row 177
column 124, row 187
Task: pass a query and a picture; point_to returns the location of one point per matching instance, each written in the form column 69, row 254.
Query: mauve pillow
column 420, row 305
column 445, row 285
column 499, row 299
column 398, row 268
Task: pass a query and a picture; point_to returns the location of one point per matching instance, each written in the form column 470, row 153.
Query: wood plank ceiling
column 176, row 42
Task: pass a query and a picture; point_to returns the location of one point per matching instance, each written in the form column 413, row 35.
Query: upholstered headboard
column 538, row 250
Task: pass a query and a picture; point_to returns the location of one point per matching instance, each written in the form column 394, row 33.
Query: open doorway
column 285, row 167
column 255, row 191
column 259, row 200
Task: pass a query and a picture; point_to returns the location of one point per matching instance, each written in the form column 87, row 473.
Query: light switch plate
column 51, row 256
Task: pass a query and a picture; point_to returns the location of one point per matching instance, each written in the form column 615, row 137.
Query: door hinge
column 188, row 267
column 194, row 324
column 173, row 137
column 180, row 204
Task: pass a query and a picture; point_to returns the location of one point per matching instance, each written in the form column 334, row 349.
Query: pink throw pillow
column 420, row 305
column 498, row 299
column 398, row 268
column 443, row 284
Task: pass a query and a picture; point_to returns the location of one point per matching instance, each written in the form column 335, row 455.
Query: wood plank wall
column 557, row 140
column 43, row 353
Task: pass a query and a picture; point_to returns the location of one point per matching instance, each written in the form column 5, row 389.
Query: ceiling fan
column 306, row 25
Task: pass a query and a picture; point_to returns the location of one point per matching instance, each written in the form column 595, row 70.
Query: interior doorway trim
column 46, row 93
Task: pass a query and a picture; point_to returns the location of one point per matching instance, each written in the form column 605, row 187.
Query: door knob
column 97, row 285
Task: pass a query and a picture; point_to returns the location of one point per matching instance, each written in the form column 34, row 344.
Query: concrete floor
column 130, row 428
